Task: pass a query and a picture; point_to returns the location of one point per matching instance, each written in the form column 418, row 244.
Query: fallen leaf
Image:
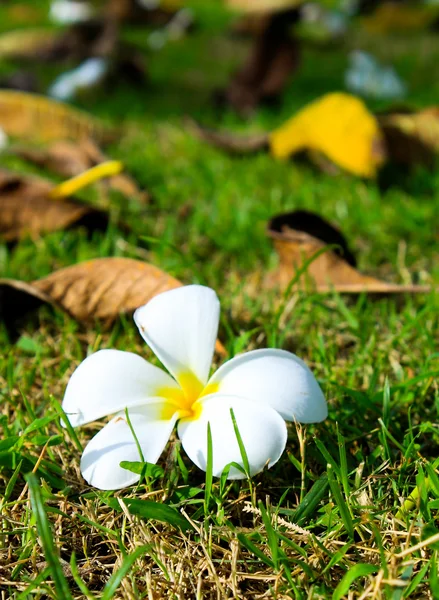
column 99, row 289
column 133, row 11
column 230, row 142
column 396, row 16
column 337, row 132
column 95, row 44
column 25, row 43
column 26, row 208
column 22, row 13
column 298, row 236
column 412, row 138
column 34, row 117
column 66, row 568
column 264, row 6
column 24, row 81
column 92, row 38
column 272, row 60
column 69, row 159
column 339, row 126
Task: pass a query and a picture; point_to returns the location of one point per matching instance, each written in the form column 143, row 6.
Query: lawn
column 331, row 519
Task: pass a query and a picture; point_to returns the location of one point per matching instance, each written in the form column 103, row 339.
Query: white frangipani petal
column 181, row 327
column 110, row 381
column 262, row 429
column 100, row 462
column 263, row 388
column 276, row 378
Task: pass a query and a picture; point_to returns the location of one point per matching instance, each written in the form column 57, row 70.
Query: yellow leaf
column 73, row 185
column 337, row 125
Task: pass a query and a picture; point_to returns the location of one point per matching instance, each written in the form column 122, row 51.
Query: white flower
column 89, row 73
column 3, row 140
column 263, row 387
column 66, row 12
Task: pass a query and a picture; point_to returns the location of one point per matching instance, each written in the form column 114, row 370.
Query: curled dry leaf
column 23, row 80
column 25, row 43
column 298, row 236
column 144, row 12
column 336, row 130
column 99, row 289
column 230, row 142
column 26, row 208
column 66, row 568
column 69, row 159
column 340, row 127
column 412, row 138
column 273, row 58
column 91, row 38
column 390, row 16
column 262, row 6
column 34, row 117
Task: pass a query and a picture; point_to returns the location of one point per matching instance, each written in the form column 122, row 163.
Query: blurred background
column 161, row 74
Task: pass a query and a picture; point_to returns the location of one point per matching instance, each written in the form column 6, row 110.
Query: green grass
column 322, row 523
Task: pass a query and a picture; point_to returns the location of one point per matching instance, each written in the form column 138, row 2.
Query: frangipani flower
column 263, row 387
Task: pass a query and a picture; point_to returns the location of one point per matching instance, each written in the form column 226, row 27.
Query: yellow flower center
column 185, row 400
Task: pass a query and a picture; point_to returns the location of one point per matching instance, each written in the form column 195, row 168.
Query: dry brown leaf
column 19, row 13
column 25, row 43
column 132, row 11
column 94, row 37
column 390, row 16
column 99, row 289
column 34, row 117
column 69, row 159
column 412, row 138
column 22, row 80
column 263, row 6
column 298, row 236
column 27, row 209
column 230, row 142
column 273, row 58
column 98, row 37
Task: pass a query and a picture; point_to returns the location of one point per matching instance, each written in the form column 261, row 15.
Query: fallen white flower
column 366, row 77
column 263, row 387
column 89, row 73
column 66, row 12
column 3, row 140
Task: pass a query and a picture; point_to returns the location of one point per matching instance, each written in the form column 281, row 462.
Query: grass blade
column 147, row 509
column 341, row 503
column 209, row 471
column 240, row 444
column 343, row 463
column 115, row 580
column 434, row 577
column 271, row 535
column 310, row 502
column 46, row 536
column 254, row 550
column 357, row 571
